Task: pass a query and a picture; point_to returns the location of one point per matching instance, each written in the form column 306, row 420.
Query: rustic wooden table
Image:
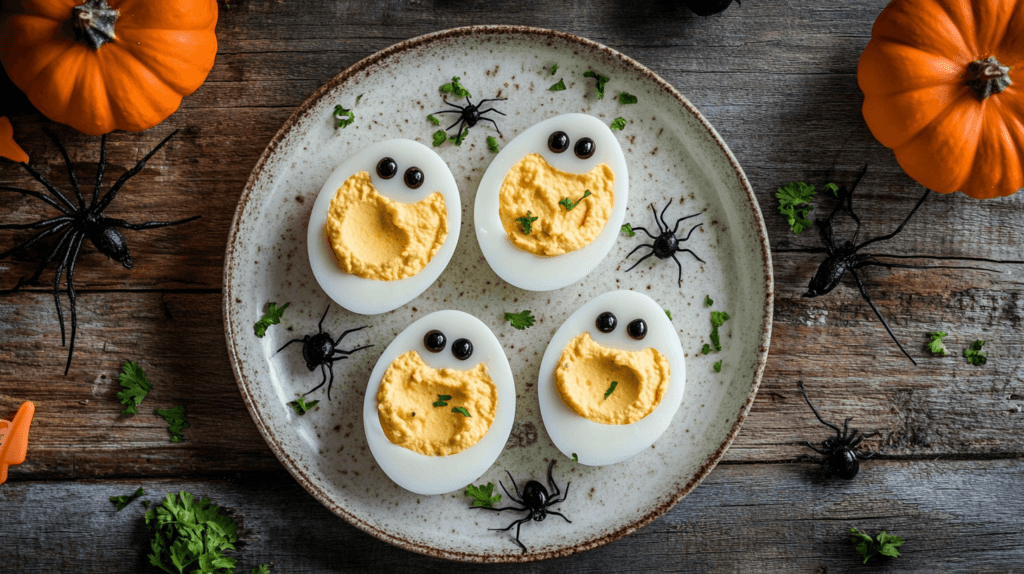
column 778, row 81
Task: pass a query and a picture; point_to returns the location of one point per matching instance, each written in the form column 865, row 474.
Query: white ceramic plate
column 673, row 155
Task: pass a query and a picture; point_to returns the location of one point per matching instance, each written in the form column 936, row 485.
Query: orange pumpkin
column 8, row 147
column 938, row 91
column 99, row 67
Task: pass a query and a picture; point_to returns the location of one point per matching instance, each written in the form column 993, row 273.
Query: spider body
column 471, row 114
column 534, row 500
column 839, row 453
column 77, row 223
column 842, row 257
column 321, row 350
column 666, row 244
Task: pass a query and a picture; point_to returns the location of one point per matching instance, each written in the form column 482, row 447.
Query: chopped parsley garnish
column 272, row 316
column 669, row 314
column 833, row 188
column 483, row 495
column 625, row 98
column 974, row 355
column 439, row 137
column 706, row 349
column 520, row 320
column 601, row 81
column 459, row 137
column 461, row 410
column 527, row 222
column 795, row 204
column 885, row 545
column 342, row 117
column 568, row 203
column 718, row 318
column 145, row 504
column 455, row 89
column 434, row 120
column 619, row 124
column 708, row 301
column 718, row 367
column 627, row 229
column 935, row 345
column 261, row 569
column 492, row 144
column 190, row 536
column 122, row 501
column 136, row 387
column 575, row 458
column 557, row 87
column 176, row 422
column 610, row 389
column 301, row 406
column 554, row 69
column 440, row 402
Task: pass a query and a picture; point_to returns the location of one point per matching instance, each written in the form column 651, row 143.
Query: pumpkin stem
column 93, row 23
column 987, row 77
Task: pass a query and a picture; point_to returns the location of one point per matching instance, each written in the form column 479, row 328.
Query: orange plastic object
column 14, row 438
column 8, row 148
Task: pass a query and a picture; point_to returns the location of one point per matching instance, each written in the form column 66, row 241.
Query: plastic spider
column 666, row 244
column 78, row 223
column 846, row 257
column 839, row 454
column 470, row 114
column 321, row 349
column 534, row 500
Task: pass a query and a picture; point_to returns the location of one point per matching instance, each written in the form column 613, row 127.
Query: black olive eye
column 637, row 329
column 558, row 142
column 435, row 341
column 462, row 349
column 387, row 168
column 413, row 177
column 585, row 148
column 606, row 322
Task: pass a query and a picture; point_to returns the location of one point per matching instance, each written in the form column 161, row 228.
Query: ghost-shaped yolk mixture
column 374, row 237
column 549, row 212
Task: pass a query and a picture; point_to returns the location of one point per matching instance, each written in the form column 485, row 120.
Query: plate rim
column 230, row 259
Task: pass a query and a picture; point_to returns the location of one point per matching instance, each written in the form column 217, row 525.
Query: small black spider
column 534, row 499
column 78, row 223
column 845, row 257
column 470, row 114
column 666, row 244
column 839, row 454
column 321, row 349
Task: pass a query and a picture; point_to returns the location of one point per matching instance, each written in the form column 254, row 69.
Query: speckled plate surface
column 673, row 155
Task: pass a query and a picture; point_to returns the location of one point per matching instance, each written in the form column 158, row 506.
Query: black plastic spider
column 666, row 244
column 78, row 223
column 321, row 349
column 534, row 500
column 839, row 454
column 845, row 257
column 470, row 114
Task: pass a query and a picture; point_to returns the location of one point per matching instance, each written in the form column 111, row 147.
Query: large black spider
column 78, row 223
column 666, row 244
column 534, row 500
column 321, row 349
column 839, row 453
column 470, row 114
column 845, row 257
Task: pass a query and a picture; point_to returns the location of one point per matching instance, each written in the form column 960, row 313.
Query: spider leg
column 42, row 265
column 518, row 524
column 687, row 238
column 940, row 258
column 493, row 122
column 815, row 449
column 644, row 229
column 482, row 112
column 330, row 367
column 49, row 186
column 289, row 343
column 71, row 298
column 322, row 382
column 453, row 125
column 680, row 266
column 30, row 242
column 515, row 486
column 559, row 514
column 642, row 258
column 872, row 261
column 661, row 229
column 99, row 170
column 861, row 438
column 149, row 224
column 864, row 293
column 508, row 494
column 71, row 170
column 56, row 284
column 498, row 509
column 846, row 427
column 564, row 496
column 682, row 219
column 691, row 253
column 320, row 325
column 823, row 421
column 551, row 479
column 920, row 202
column 482, row 102
column 37, row 224
column 456, row 106
column 38, row 195
column 351, row 331
column 112, row 192
column 344, row 354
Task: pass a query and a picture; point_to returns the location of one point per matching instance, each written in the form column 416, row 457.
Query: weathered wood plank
column 953, row 515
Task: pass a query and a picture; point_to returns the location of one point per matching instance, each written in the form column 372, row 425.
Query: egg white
column 369, row 296
column 598, row 444
column 430, row 475
column 534, row 272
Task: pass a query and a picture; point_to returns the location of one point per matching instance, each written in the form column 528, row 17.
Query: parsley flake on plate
column 625, row 98
column 568, row 203
column 557, row 87
column 575, row 458
column 708, row 301
column 520, row 320
column 123, row 501
column 462, row 411
column 434, row 120
column 455, row 89
column 492, row 144
column 619, row 124
column 301, row 406
column 527, row 222
column 601, row 81
column 974, row 355
column 176, row 422
column 136, row 387
column 935, row 345
column 669, row 314
column 608, row 393
column 554, row 69
column 343, row 117
column 718, row 367
column 885, row 545
column 706, row 350
column 439, row 137
column 483, row 495
column 440, row 402
column 271, row 316
column 628, row 230
column 459, row 137
column 718, row 318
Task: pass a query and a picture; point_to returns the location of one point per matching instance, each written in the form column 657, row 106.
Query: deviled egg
column 550, row 205
column 440, row 403
column 384, row 226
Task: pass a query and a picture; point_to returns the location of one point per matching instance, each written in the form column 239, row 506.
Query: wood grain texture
column 776, row 79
